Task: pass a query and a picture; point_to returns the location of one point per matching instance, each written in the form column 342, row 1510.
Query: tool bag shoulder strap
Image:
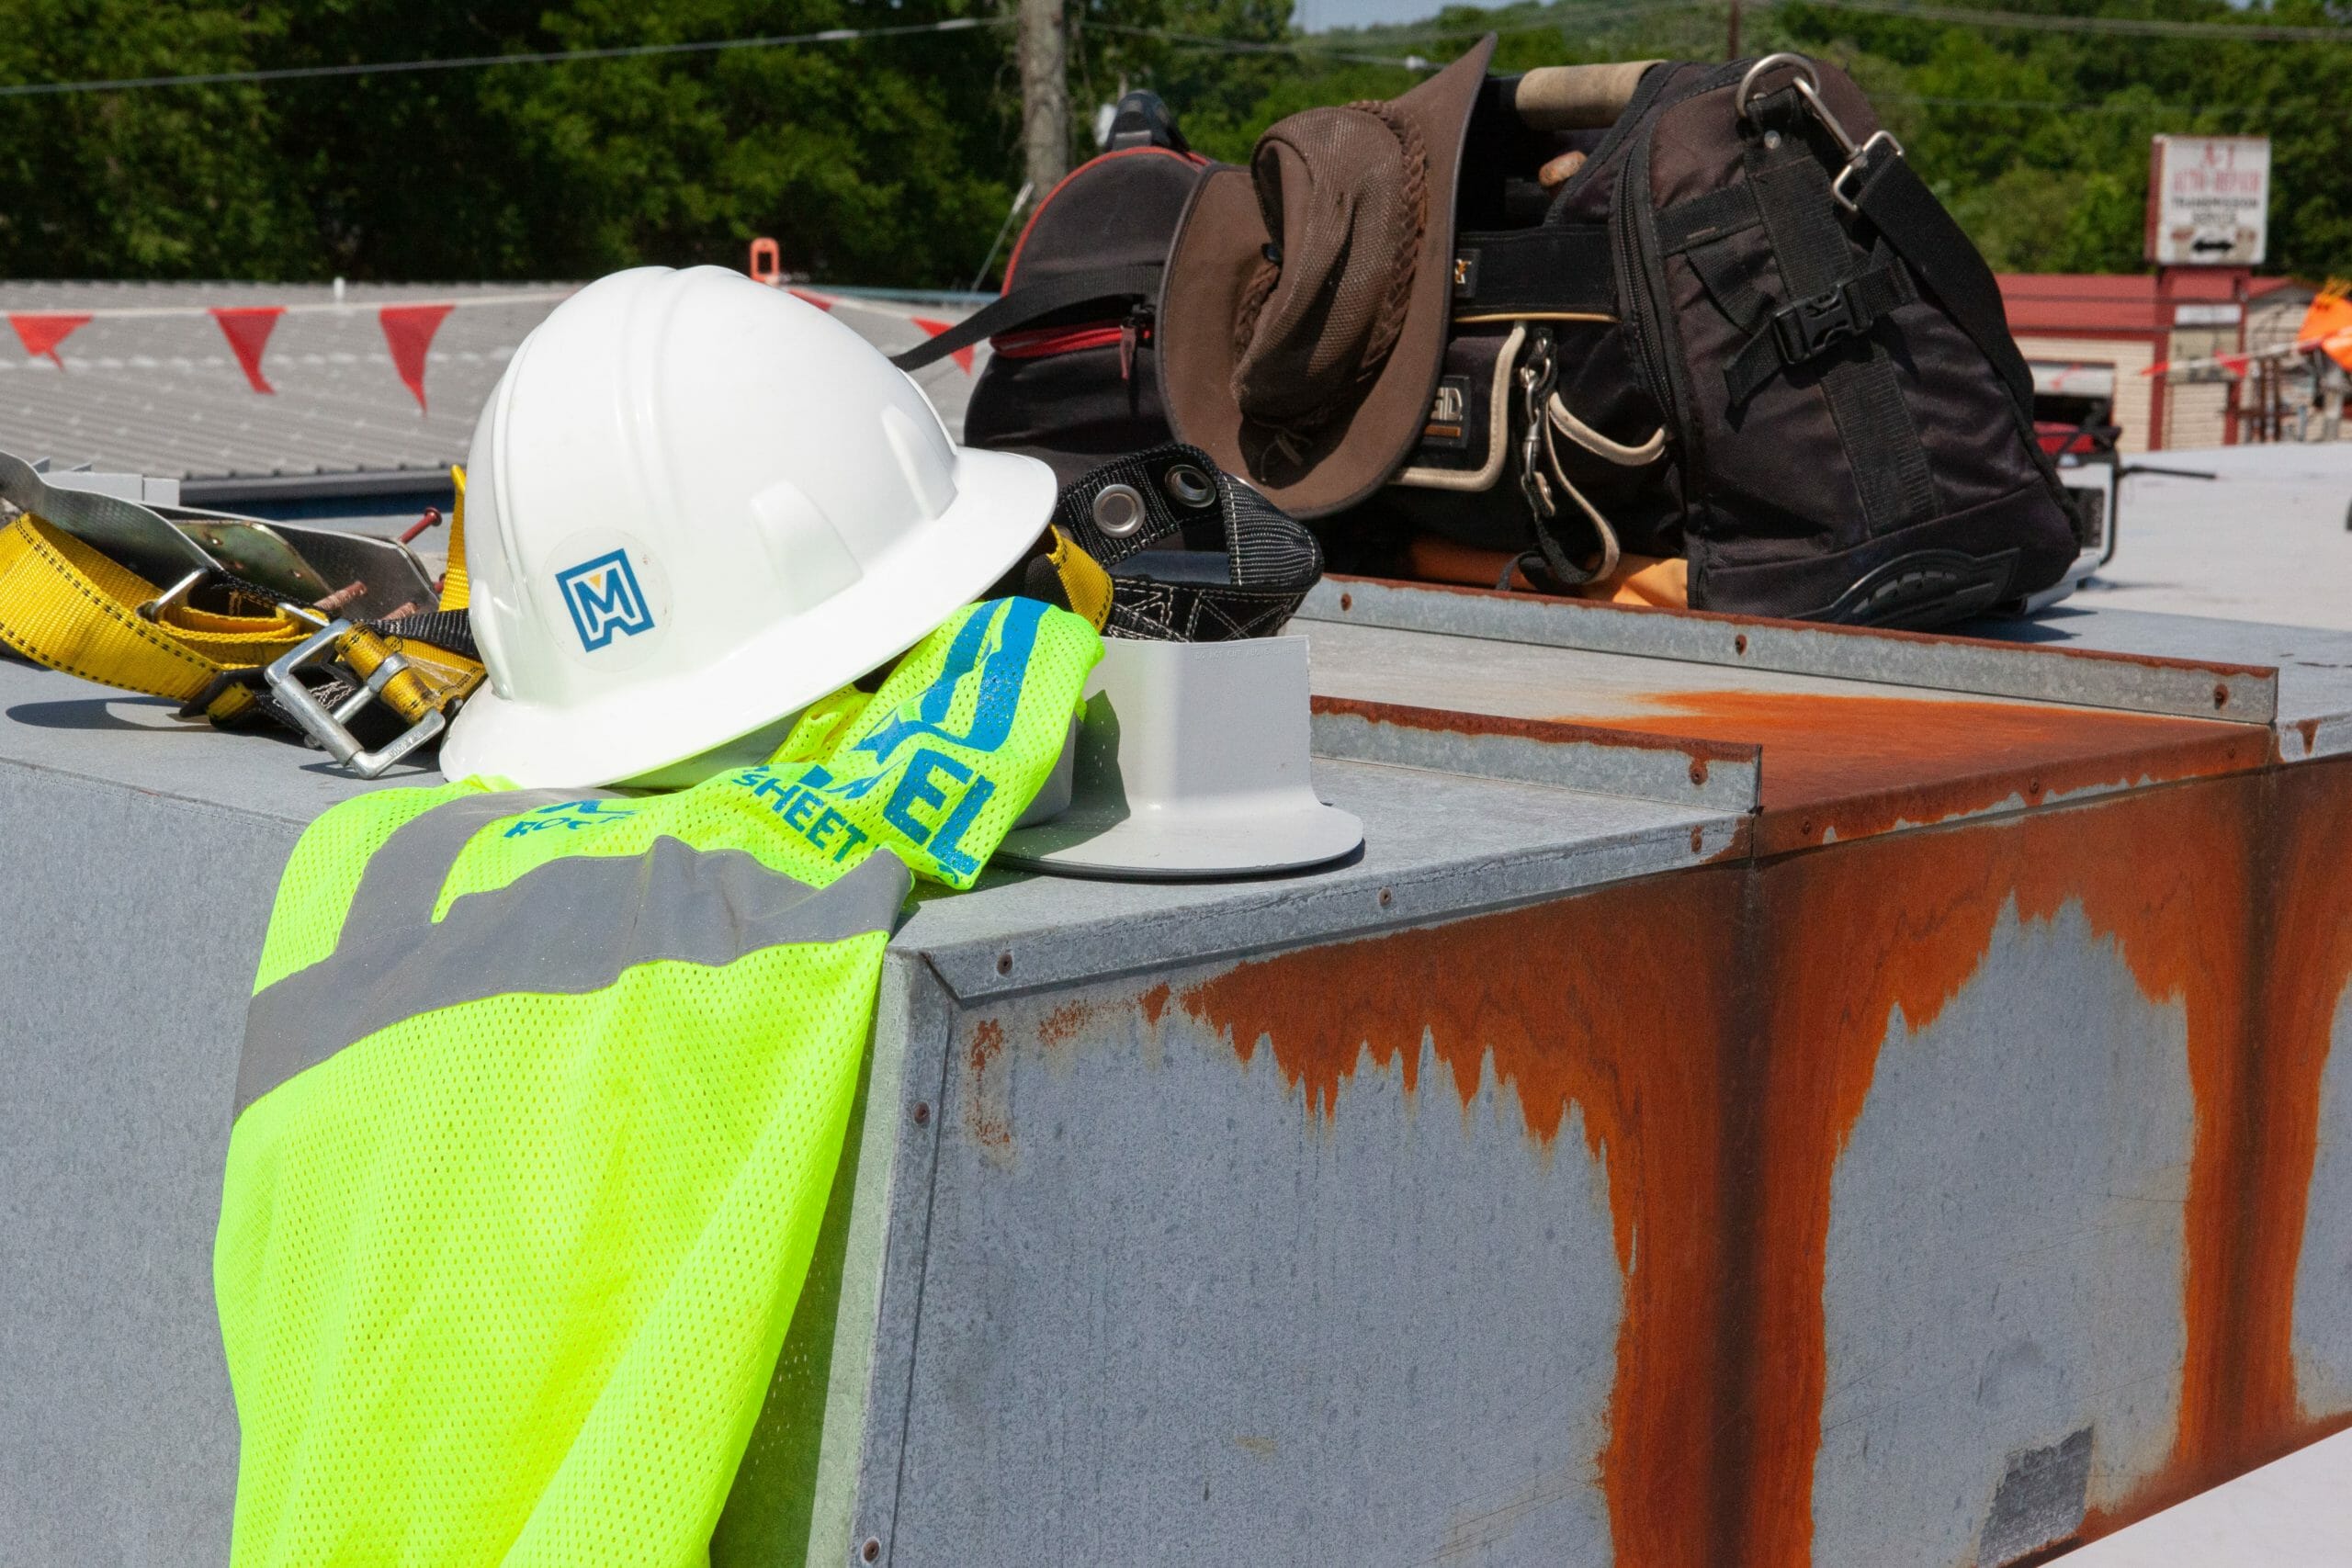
column 1097, row 243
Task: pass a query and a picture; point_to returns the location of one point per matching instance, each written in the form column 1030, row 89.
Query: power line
column 467, row 63
column 2124, row 27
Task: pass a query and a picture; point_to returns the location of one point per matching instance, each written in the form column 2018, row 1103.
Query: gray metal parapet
column 1730, row 1114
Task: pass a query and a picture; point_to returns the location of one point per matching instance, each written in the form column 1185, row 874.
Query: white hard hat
column 695, row 505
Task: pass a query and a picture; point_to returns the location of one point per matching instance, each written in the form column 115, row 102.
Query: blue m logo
column 604, row 598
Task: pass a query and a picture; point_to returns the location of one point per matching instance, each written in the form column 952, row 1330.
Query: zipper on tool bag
column 1129, row 332
column 1648, row 305
column 1642, row 284
column 1134, row 331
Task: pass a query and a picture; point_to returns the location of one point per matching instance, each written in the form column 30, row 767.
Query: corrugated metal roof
column 162, row 395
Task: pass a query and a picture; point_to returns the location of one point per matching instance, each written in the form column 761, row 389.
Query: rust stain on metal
column 1902, row 922
column 2249, row 1410
column 1154, row 1002
column 2309, row 729
column 1561, row 1032
column 1720, row 1029
column 1847, row 767
column 987, row 1113
column 1065, row 1023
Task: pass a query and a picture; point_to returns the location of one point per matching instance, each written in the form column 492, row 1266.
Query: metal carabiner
column 1808, row 86
column 1538, row 374
column 1771, row 63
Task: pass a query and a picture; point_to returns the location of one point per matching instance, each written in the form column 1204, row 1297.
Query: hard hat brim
column 1002, row 502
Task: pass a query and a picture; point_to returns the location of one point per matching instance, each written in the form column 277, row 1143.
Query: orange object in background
column 2327, row 325
column 1638, row 580
column 767, row 263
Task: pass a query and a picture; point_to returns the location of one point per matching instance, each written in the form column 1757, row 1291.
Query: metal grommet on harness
column 1118, row 509
column 1187, row 486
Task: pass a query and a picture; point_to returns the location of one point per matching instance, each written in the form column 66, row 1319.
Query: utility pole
column 1730, row 41
column 1044, row 92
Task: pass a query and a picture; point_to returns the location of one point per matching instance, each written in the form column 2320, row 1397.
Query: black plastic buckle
column 1811, row 325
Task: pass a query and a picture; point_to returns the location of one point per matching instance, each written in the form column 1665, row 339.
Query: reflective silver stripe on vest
column 565, row 927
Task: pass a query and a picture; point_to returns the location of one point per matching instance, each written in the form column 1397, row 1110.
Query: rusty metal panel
column 2322, row 1310
column 2193, row 684
column 1841, row 759
column 2002, row 1287
column 1930, row 1197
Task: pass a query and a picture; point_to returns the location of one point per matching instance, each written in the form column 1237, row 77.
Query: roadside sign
column 2209, row 200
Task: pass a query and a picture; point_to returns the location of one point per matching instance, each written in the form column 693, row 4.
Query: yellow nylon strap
column 65, row 606
column 1084, row 582
column 454, row 585
column 435, row 678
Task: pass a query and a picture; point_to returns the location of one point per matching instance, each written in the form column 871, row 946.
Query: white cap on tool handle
column 695, row 505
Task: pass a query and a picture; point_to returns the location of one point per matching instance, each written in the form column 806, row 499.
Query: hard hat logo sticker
column 604, row 598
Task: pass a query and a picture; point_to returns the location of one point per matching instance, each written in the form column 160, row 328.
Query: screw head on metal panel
column 1118, row 509
column 1188, row 486
column 922, row 1112
column 1698, row 770
column 1739, row 643
column 1347, row 602
column 1004, row 964
column 1386, row 898
column 2221, row 696
column 871, row 1551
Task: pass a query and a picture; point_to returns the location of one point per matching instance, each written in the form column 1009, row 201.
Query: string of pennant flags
column 409, row 327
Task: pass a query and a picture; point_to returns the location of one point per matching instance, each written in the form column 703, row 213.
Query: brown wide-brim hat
column 1293, row 363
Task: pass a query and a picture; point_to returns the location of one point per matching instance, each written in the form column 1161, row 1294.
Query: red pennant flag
column 817, row 300
column 40, row 334
column 408, row 331
column 247, row 328
column 962, row 357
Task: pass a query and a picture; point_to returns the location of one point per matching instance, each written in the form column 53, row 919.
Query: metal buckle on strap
column 1855, row 161
column 329, row 731
column 1811, row 325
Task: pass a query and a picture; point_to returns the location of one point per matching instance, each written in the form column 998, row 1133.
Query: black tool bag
column 1743, row 331
column 1070, row 375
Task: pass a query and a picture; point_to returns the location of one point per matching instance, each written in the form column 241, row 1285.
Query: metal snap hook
column 1808, row 78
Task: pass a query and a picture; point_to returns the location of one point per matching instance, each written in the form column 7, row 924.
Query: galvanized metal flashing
column 876, row 1328
column 2189, row 688
column 1707, row 773
column 1436, row 845
column 2314, row 663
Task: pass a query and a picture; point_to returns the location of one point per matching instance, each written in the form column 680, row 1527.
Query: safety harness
column 226, row 648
